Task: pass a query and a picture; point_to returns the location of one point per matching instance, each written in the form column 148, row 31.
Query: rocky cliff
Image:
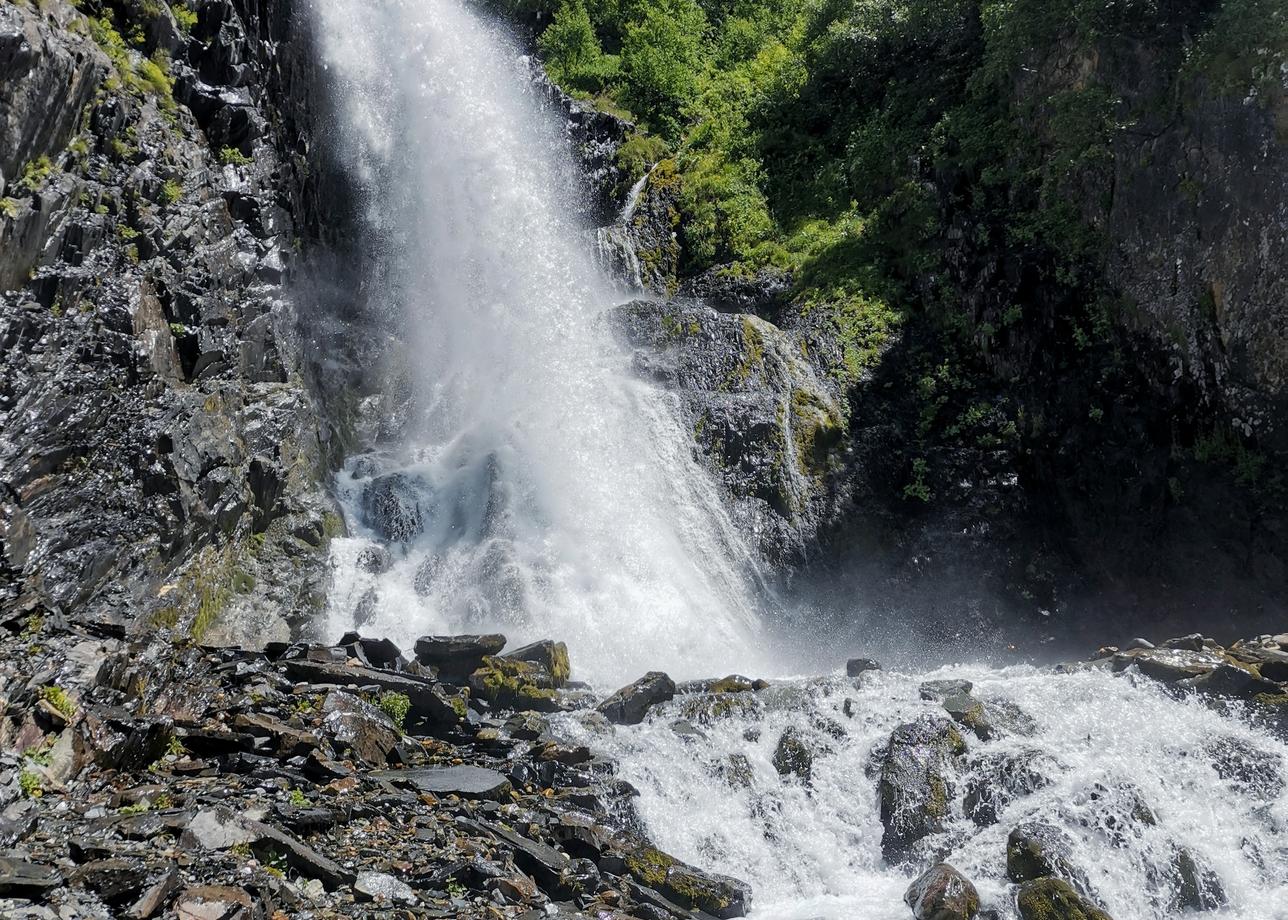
column 161, row 448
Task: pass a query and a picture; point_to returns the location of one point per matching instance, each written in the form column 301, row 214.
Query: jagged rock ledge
column 146, row 780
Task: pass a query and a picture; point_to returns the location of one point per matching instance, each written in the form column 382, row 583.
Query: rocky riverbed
column 464, row 779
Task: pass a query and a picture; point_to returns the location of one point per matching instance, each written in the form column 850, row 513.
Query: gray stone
column 914, row 789
column 942, row 893
column 361, row 728
column 856, row 666
column 379, row 887
column 629, row 705
column 466, row 782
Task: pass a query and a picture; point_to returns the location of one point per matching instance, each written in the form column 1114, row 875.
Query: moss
column 186, row 18
column 298, row 799
column 171, row 191
column 816, row 429
column 35, row 174
column 649, row 866
column 512, row 684
column 753, row 353
column 1055, row 899
column 60, row 700
column 396, row 706
column 30, row 783
column 231, row 156
column 332, row 525
column 8, row 208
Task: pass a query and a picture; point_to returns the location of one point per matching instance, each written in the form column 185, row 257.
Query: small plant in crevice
column 396, row 706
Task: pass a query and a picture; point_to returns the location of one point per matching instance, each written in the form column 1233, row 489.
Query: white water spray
column 813, row 850
column 555, row 495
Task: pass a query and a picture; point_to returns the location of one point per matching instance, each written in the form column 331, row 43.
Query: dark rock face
column 914, row 787
column 160, row 451
column 629, row 705
column 999, row 779
column 768, row 425
column 942, row 893
column 391, row 507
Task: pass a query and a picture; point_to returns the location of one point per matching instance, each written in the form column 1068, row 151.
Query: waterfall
column 546, row 491
column 1103, row 746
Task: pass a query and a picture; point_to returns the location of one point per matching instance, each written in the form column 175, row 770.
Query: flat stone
column 466, row 782
column 114, row 879
column 24, row 879
column 156, row 896
column 212, row 902
column 427, row 700
column 379, row 887
column 458, row 655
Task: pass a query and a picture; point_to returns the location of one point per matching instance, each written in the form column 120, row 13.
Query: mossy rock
column 1055, row 899
column 550, row 655
column 509, row 683
column 689, row 887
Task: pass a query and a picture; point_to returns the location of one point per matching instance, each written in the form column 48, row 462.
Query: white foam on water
column 814, row 850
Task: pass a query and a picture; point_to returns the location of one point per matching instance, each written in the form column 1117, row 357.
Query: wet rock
column 1055, row 899
column 733, row 683
column 551, row 656
column 999, row 779
column 940, row 690
column 527, row 726
column 287, row 740
column 221, row 829
column 1198, row 887
column 382, row 888
column 467, row 782
column 1169, row 665
column 691, row 888
column 942, row 893
column 792, row 756
column 1228, row 681
column 456, row 657
column 988, row 720
column 391, row 507
column 23, row 879
column 1035, row 850
column 856, row 666
column 509, row 683
column 1248, row 768
column 914, row 786
column 631, row 703
column 359, row 727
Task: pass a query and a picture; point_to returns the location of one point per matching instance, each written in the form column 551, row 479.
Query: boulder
column 792, row 756
column 1055, row 899
column 550, row 655
column 1226, row 680
column 691, row 888
column 914, row 787
column 1168, row 665
column 988, row 720
column 940, row 690
column 1036, row 850
column 856, row 666
column 391, row 507
column 429, row 701
column 456, row 657
column 631, row 703
column 364, row 730
column 1197, row 886
column 115, row 879
column 1249, row 769
column 508, row 683
column 942, row 893
column 999, row 779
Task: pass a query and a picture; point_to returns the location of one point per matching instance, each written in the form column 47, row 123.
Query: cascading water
column 1103, row 747
column 539, row 489
column 535, row 487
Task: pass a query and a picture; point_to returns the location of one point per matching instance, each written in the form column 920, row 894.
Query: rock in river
column 942, row 893
column 629, row 705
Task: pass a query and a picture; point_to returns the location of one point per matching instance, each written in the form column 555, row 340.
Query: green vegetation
column 35, row 174
column 882, row 151
column 171, row 191
column 298, row 799
column 30, row 783
column 231, row 156
column 60, row 700
column 396, row 706
column 8, row 208
column 186, row 18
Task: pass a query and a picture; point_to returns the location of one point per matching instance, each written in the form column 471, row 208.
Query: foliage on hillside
column 870, row 146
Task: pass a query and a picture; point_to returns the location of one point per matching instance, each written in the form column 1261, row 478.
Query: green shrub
column 171, row 191
column 396, row 706
column 231, row 156
column 60, row 700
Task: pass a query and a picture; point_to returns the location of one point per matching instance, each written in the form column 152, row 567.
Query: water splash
column 814, row 850
column 552, row 493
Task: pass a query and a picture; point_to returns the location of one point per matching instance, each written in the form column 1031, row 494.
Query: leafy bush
column 396, row 706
